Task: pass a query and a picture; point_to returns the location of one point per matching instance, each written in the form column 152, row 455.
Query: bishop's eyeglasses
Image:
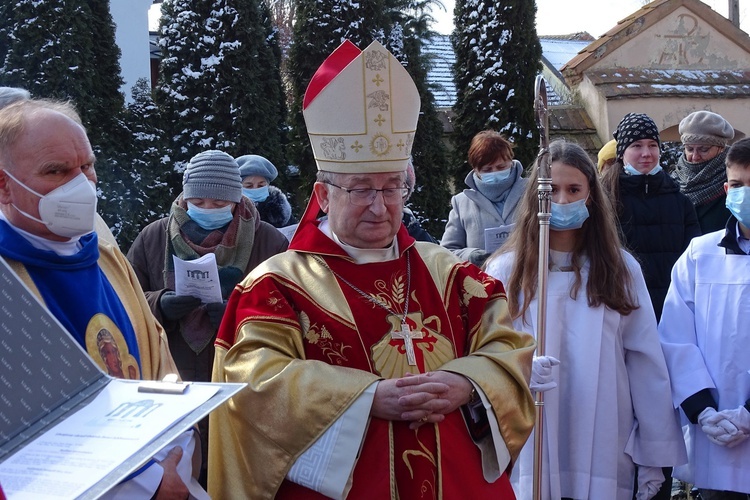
column 363, row 197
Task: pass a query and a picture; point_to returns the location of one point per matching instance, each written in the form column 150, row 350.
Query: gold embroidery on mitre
column 380, row 100
column 389, row 355
column 373, row 94
column 333, row 148
column 380, row 145
column 375, row 60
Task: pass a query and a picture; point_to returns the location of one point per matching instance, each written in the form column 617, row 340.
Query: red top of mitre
column 331, row 67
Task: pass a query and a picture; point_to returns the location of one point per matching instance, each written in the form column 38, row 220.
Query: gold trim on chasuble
column 423, row 453
column 426, row 454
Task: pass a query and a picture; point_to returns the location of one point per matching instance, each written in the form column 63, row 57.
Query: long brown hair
column 610, row 282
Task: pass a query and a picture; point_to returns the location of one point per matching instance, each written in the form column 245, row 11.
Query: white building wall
column 131, row 19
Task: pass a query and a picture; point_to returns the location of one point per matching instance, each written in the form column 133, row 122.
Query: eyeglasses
column 363, row 197
column 703, row 150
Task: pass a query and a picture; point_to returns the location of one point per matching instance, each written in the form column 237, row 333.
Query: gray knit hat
column 212, row 174
column 634, row 127
column 705, row 127
column 257, row 165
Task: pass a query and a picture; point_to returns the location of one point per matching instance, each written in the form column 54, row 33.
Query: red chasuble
column 436, row 461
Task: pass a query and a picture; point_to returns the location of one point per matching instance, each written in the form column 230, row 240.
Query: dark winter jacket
column 415, row 229
column 276, row 209
column 147, row 258
column 713, row 215
column 657, row 223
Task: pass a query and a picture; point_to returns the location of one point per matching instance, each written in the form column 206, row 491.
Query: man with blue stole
column 47, row 221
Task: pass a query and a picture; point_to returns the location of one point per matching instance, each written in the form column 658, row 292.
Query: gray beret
column 257, row 165
column 212, row 174
column 705, row 127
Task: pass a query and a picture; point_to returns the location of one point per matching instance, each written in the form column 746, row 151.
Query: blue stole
column 79, row 295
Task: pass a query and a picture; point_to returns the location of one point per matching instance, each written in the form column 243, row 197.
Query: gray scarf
column 701, row 182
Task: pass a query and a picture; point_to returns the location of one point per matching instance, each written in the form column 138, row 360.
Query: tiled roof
column 556, row 50
column 624, row 84
column 440, row 75
column 573, row 124
column 559, row 51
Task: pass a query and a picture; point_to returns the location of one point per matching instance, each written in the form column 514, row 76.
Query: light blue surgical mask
column 496, row 177
column 738, row 202
column 257, row 194
column 210, row 218
column 632, row 170
column 566, row 216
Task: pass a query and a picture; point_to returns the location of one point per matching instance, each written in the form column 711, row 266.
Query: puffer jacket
column 657, row 223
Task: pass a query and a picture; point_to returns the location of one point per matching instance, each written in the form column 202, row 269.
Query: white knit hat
column 361, row 110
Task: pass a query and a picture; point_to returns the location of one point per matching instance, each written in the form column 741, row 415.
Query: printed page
column 71, row 457
column 495, row 237
column 199, row 278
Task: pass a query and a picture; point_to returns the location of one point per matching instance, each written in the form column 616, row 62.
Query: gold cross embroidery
column 407, row 335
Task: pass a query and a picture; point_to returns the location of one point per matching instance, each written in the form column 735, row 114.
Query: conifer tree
column 69, row 53
column 408, row 38
column 183, row 94
column 149, row 195
column 49, row 56
column 220, row 86
column 497, row 59
column 321, row 26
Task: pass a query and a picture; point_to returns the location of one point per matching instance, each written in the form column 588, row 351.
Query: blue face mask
column 568, row 215
column 257, row 194
column 210, row 218
column 738, row 202
column 496, row 177
column 632, row 171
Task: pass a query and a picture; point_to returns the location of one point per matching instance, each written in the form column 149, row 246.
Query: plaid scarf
column 701, row 182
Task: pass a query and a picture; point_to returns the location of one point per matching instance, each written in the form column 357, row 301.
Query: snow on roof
column 558, row 52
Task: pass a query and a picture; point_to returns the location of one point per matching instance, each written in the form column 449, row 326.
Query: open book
column 67, row 429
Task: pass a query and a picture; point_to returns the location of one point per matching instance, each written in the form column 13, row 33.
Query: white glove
column 541, row 373
column 649, row 482
column 719, row 428
column 740, row 417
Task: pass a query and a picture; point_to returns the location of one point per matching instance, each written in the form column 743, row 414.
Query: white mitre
column 361, row 110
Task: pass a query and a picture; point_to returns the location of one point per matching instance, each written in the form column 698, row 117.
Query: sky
column 558, row 17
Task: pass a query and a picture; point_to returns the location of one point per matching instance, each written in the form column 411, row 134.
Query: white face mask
column 67, row 210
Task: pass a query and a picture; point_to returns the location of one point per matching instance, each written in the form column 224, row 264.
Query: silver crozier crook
column 544, row 190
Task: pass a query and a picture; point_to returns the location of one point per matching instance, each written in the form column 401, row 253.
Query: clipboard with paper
column 67, row 429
